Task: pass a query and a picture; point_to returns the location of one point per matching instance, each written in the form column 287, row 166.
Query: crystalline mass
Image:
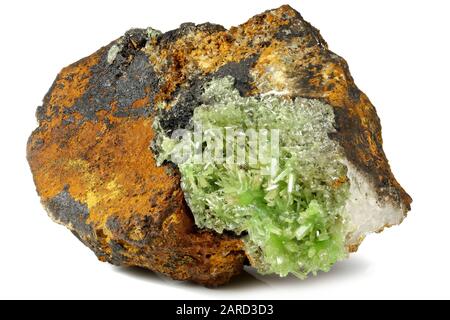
column 293, row 217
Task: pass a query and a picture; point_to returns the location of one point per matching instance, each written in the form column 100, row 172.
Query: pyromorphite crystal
column 297, row 211
column 290, row 206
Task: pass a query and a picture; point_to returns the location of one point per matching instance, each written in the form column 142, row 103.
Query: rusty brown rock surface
column 91, row 157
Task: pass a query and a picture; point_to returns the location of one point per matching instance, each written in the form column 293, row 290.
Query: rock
column 97, row 174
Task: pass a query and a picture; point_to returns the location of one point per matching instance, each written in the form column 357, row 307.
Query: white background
column 398, row 52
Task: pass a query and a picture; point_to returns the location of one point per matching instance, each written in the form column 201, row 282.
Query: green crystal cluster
column 290, row 209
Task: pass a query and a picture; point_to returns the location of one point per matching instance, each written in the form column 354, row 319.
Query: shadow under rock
column 250, row 279
column 244, row 280
column 342, row 270
column 139, row 273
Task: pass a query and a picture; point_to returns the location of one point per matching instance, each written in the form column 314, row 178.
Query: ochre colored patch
column 109, row 167
column 204, row 52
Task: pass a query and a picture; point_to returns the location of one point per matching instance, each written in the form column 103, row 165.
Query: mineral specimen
column 104, row 157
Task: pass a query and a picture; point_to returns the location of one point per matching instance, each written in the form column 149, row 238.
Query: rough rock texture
column 91, row 158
